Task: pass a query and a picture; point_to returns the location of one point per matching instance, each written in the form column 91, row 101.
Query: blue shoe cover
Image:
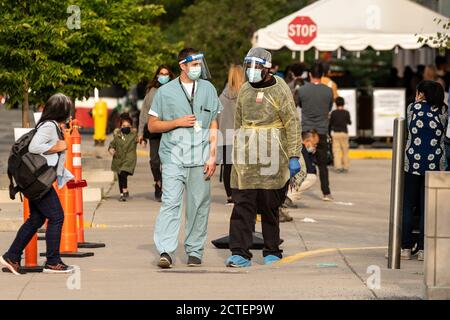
column 270, row 259
column 238, row 262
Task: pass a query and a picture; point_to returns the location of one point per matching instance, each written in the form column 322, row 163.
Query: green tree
column 441, row 39
column 43, row 50
column 223, row 29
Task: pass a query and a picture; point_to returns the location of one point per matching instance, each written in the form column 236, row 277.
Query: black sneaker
column 165, row 261
column 59, row 268
column 126, row 194
column 284, row 215
column 194, row 261
column 230, row 202
column 14, row 267
column 122, row 198
column 288, row 203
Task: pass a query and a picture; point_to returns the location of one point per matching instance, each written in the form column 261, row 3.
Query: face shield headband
column 205, row 74
column 253, row 67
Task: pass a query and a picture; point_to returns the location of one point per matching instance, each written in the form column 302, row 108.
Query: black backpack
column 33, row 176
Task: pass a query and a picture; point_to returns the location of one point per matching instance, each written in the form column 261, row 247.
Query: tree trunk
column 25, row 107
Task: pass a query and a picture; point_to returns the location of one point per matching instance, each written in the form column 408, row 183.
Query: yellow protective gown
column 267, row 134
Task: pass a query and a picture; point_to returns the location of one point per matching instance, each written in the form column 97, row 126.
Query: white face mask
column 254, row 75
column 195, row 72
column 311, row 149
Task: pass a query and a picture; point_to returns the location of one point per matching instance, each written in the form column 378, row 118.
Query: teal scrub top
column 187, row 147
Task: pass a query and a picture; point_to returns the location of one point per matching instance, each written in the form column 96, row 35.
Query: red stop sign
column 302, row 30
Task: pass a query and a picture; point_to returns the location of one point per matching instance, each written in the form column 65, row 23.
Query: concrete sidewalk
column 327, row 259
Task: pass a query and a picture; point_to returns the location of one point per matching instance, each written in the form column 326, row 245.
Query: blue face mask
column 254, row 75
column 195, row 73
column 163, row 79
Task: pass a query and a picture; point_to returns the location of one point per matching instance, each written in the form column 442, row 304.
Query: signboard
column 19, row 132
column 302, row 30
column 349, row 96
column 388, row 104
column 37, row 116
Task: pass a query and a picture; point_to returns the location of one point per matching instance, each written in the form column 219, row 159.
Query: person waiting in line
column 339, row 122
column 123, row 149
column 265, row 116
column 228, row 99
column 326, row 80
column 162, row 76
column 426, row 123
column 310, row 139
column 431, row 74
column 295, row 76
column 441, row 70
column 48, row 141
column 316, row 100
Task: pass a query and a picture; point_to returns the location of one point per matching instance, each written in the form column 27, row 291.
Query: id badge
column 259, row 97
column 197, row 126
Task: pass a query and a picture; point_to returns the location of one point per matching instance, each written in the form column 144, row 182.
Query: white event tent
column 356, row 25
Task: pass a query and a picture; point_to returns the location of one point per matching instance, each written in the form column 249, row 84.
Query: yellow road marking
column 302, row 255
column 370, row 154
column 88, row 225
column 142, row 153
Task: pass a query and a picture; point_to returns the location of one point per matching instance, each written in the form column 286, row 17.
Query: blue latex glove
column 294, row 166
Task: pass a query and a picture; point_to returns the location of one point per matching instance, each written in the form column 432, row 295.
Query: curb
column 89, row 195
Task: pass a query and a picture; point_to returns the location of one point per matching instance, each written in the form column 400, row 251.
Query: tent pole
column 294, row 54
column 317, row 55
column 302, row 56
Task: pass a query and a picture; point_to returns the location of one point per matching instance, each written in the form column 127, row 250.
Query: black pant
column 49, row 207
column 227, row 178
column 247, row 203
column 123, row 180
column 227, row 171
column 322, row 163
column 413, row 199
column 155, row 161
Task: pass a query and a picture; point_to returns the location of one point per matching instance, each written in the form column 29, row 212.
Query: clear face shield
column 198, row 68
column 254, row 68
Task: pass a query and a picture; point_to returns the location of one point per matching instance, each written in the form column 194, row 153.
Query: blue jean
column 48, row 207
column 413, row 199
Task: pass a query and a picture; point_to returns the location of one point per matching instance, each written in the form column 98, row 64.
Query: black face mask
column 125, row 130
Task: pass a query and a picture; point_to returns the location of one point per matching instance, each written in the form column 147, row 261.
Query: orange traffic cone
column 79, row 185
column 31, row 250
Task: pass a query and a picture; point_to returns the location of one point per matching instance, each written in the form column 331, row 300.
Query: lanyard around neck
column 190, row 100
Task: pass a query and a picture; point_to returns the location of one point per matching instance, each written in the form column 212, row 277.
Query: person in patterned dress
column 426, row 127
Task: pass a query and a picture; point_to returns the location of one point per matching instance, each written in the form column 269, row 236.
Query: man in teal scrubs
column 185, row 111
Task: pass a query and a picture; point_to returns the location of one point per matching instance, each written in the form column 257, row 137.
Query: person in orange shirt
column 327, row 81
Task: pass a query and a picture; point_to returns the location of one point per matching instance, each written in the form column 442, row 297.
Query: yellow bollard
column 100, row 116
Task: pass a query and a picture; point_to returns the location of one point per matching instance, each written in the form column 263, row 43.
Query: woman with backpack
column 47, row 141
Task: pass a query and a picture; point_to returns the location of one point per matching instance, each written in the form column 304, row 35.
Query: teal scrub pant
column 176, row 180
